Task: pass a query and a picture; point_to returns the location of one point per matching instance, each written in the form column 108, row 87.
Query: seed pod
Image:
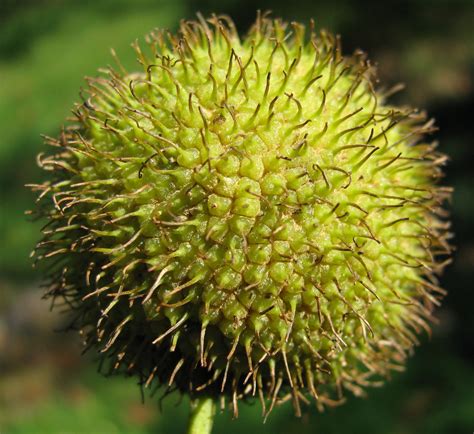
column 245, row 217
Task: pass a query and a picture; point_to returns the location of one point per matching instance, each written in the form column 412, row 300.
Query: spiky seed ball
column 245, row 217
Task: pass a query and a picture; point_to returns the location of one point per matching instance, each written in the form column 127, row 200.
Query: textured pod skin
column 245, row 217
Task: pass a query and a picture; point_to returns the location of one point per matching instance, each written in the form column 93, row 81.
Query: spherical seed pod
column 245, row 217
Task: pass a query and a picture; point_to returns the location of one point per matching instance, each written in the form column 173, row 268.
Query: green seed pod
column 245, row 217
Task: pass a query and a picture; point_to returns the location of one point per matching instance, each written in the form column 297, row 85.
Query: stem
column 202, row 414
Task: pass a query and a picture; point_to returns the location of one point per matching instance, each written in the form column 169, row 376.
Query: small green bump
column 270, row 288
column 218, row 205
column 189, row 158
column 258, row 321
column 273, row 183
column 298, row 243
column 272, row 217
column 203, row 177
column 217, row 229
column 296, row 178
column 227, row 278
column 231, row 327
column 273, row 163
column 246, row 206
column 229, row 165
column 254, row 273
column 281, row 271
column 196, row 194
column 252, row 167
column 263, row 304
column 188, row 137
column 214, row 255
column 287, row 231
column 225, row 186
column 154, row 246
column 246, row 298
column 253, row 145
column 296, row 284
column 199, row 268
column 246, row 187
column 241, row 225
column 210, row 294
column 236, row 259
column 235, row 310
column 306, row 193
column 177, row 178
column 282, row 248
column 260, row 253
column 260, row 233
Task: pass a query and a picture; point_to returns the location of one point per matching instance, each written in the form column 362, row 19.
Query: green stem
column 202, row 414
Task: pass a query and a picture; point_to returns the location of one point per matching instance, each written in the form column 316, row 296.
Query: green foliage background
column 48, row 46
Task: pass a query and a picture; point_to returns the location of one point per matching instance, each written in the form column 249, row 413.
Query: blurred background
column 48, row 46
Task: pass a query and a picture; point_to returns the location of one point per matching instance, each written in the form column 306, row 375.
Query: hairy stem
column 202, row 414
